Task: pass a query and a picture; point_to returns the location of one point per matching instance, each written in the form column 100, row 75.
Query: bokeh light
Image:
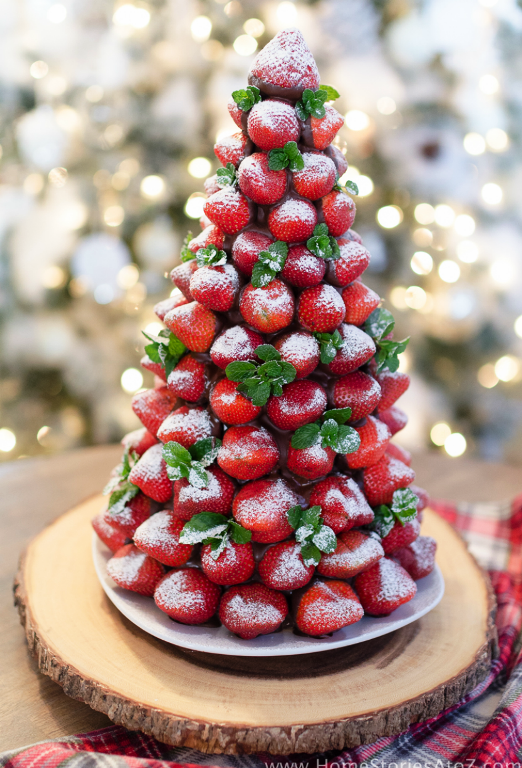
column 131, row 380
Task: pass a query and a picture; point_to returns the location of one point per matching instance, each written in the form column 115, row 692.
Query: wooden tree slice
column 223, row 704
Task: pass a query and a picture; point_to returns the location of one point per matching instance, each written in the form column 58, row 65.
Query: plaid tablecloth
column 484, row 730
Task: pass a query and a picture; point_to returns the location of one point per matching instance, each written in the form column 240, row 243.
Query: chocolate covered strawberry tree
column 263, row 491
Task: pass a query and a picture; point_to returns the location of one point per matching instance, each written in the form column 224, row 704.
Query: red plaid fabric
column 484, row 730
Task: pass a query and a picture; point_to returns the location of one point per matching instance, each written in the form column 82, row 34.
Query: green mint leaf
column 261, row 394
column 379, row 324
column 388, row 352
column 186, row 254
column 174, row 454
column 245, row 98
column 151, row 350
column 404, row 505
column 306, row 436
column 340, row 415
column 277, row 159
column 304, row 532
column 273, row 260
column 296, row 163
column 267, row 352
column 311, row 554
column 218, row 545
column 294, row 515
column 177, row 471
column 329, row 430
column 201, row 447
column 211, row 256
column 311, row 516
column 198, row 475
column 240, row 370
column 239, row 534
column 301, row 110
column 279, row 247
column 277, row 389
column 287, row 156
column 331, row 93
column 352, row 187
column 270, row 370
column 121, row 497
column 288, row 372
column 321, row 229
column 226, row 177
column 383, row 520
column 202, row 526
column 325, row 539
column 336, row 251
column 262, row 275
column 328, row 345
column 348, row 440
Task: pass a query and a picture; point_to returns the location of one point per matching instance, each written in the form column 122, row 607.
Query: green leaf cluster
column 119, row 486
column 329, row 343
column 350, row 187
column 311, row 533
column 214, row 529
column 211, row 256
column 245, row 98
column 379, row 325
column 330, row 431
column 286, row 157
column 312, row 102
column 322, row 244
column 226, row 177
column 185, row 253
column 269, row 263
column 165, row 349
column 191, row 462
column 258, row 382
column 403, row 509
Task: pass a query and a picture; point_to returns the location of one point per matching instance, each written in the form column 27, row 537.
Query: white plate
column 143, row 612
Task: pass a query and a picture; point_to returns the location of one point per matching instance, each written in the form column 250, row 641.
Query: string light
column 7, row 440
column 421, row 263
column 502, row 273
column 444, row 215
column 497, row 139
column 54, row 277
column 455, row 444
column 389, row 216
column 103, row 294
column 33, row 184
column 474, row 144
column 449, row 271
column 153, row 329
column 356, row 120
column 131, row 380
column 467, row 251
column 128, row 276
column 42, row 435
column 200, row 29
column 507, row 367
column 424, row 213
column 58, row 177
column 518, row 326
column 254, row 27
column 245, row 45
column 128, row 15
column 386, row 105
column 287, row 13
column 113, row 215
column 152, row 186
column 422, row 237
column 415, row 297
column 464, row 225
column 94, row 93
column 194, row 205
column 38, row 69
column 491, row 193
column 199, row 167
column 440, row 433
column 486, row 376
column 365, row 185
column 488, row 84
column 57, row 13
column 398, row 297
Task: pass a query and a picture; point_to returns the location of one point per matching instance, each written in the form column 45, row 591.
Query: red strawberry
column 156, row 368
column 187, row 596
column 150, row 475
column 229, row 209
column 249, row 610
column 353, row 236
column 159, row 537
column 400, row 536
column 355, row 552
column 176, row 299
column 302, row 402
column 301, row 350
column 317, row 177
column 353, row 261
column 231, row 149
column 342, row 503
column 258, row 182
column 268, row 309
column 293, row 220
column 235, row 113
column 211, row 235
column 261, row 507
column 272, row 123
column 422, row 495
column 286, row 63
column 357, row 391
column 356, row 350
column 210, row 186
column 139, row 441
column 326, row 607
column 112, row 537
column 397, row 452
column 325, row 128
column 383, row 587
column 204, row 221
column 393, row 385
column 236, row 343
column 248, row 452
column 188, row 379
column 230, row 406
column 216, row 497
column 360, row 301
column 320, row 309
column 186, row 426
column 385, row 477
column 216, row 287
column 375, row 437
column 339, row 159
column 234, row 565
column 338, row 211
column 246, row 249
column 311, row 462
column 133, row 514
column 302, row 268
column 181, row 276
column 282, row 567
column 395, row 418
column 152, row 406
column 134, row 570
column 418, row 558
column 193, row 324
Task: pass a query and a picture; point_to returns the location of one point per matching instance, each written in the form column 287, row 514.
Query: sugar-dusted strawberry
column 188, row 379
column 139, row 441
column 210, row 186
column 176, row 299
column 302, row 402
column 181, row 276
column 385, row 477
column 393, row 385
column 156, row 368
column 186, row 426
column 268, row 309
column 360, row 301
column 236, row 343
column 338, row 211
column 229, row 209
column 134, row 570
column 422, row 496
column 233, row 566
column 327, row 606
column 353, row 261
column 384, row 587
column 301, row 350
column 150, row 475
column 211, row 235
column 394, row 417
column 400, row 453
column 302, row 268
column 356, row 552
column 152, row 406
column 340, row 161
column 235, row 112
column 112, row 537
column 258, row 182
column 231, row 149
column 130, row 516
column 261, row 507
column 246, row 249
column 312, row 462
column 187, row 596
column 216, row 287
column 248, row 452
column 357, row 391
column 159, row 537
column 357, row 348
column 230, row 406
column 325, row 128
column 401, row 535
column 282, row 567
column 375, row 437
column 249, row 610
column 317, row 177
column 272, row 123
column 193, row 324
column 418, row 558
column 293, row 220
column 284, row 65
column 320, row 309
column 342, row 503
column 216, row 497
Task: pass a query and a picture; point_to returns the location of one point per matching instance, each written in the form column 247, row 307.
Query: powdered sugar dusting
column 248, row 611
column 287, row 62
column 177, row 593
column 125, row 570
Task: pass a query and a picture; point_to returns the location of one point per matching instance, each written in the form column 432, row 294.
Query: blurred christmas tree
column 108, row 117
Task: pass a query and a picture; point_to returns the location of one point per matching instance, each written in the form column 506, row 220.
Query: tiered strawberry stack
column 263, row 491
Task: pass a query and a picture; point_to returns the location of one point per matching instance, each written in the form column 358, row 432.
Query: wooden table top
column 35, row 491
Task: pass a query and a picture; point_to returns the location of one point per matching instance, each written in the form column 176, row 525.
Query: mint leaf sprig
column 226, row 177
column 190, row 463
column 165, row 349
column 119, row 486
column 245, row 98
column 329, row 343
column 347, row 186
column 322, row 244
column 288, row 156
column 258, row 382
column 379, row 325
column 214, row 529
column 312, row 102
column 210, row 256
column 269, row 263
column 311, row 533
column 185, row 253
column 329, row 431
column 403, row 509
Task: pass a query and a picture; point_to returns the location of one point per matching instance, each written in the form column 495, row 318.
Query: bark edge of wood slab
column 240, row 705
